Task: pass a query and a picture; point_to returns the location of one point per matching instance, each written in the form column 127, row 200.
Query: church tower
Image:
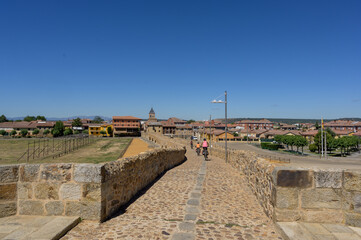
column 152, row 116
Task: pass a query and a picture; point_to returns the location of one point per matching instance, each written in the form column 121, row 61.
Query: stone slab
column 293, row 231
column 183, row 236
column 328, row 179
column 306, row 231
column 35, row 227
column 55, row 228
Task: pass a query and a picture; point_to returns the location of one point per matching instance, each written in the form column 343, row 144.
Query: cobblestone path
column 196, row 200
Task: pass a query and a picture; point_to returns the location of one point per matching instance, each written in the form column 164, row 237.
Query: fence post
column 28, row 152
column 34, row 150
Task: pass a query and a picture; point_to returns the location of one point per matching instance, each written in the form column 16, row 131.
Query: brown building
column 126, row 126
column 256, row 124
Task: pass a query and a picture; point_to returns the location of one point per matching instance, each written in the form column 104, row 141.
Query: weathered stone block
column 9, row 173
column 56, row 172
column 55, row 208
column 86, row 210
column 353, row 219
column 325, row 216
column 8, row 191
column 92, row 192
column 285, row 215
column 357, row 202
column 29, row 172
column 25, row 190
column 29, row 207
column 7, row 209
column 352, row 180
column 295, row 178
column 286, row 198
column 46, row 190
column 70, row 191
column 328, row 179
column 321, row 198
column 88, row 173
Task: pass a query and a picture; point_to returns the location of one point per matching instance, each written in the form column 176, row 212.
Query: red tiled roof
column 126, row 118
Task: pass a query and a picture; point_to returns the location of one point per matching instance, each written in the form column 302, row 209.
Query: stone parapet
column 288, row 193
column 91, row 191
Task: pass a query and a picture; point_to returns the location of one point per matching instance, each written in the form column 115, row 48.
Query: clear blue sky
column 297, row 59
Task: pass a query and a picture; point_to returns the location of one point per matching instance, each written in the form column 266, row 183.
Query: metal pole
column 210, row 134
column 225, row 104
column 325, row 144
column 321, row 141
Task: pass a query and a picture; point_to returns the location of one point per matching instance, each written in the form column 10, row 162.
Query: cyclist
column 204, row 146
column 198, row 148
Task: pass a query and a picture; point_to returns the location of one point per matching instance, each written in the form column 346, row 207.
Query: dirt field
column 136, row 147
column 102, row 150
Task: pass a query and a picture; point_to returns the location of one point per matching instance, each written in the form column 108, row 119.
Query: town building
column 255, row 124
column 97, row 129
column 126, row 126
column 353, row 126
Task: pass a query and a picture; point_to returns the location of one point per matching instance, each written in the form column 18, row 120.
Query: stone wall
column 8, row 185
column 91, row 191
column 287, row 193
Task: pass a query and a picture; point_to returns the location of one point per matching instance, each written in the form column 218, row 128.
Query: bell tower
column 152, row 116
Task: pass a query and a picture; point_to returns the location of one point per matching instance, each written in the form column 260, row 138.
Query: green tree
column 329, row 139
column 98, row 119
column 300, row 141
column 76, row 132
column 23, row 132
column 29, row 118
column 42, row 118
column 235, row 134
column 77, row 122
column 85, row 131
column 190, row 121
column 278, row 138
column 36, row 131
column 317, row 126
column 102, row 132
column 58, row 129
column 110, row 131
column 68, row 131
column 3, row 118
column 3, row 132
column 313, row 147
column 46, row 132
column 13, row 133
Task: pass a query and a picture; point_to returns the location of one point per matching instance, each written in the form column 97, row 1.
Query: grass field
column 102, row 150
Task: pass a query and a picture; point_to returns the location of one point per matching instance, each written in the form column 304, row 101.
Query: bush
column 46, row 132
column 3, row 132
column 13, row 133
column 23, row 132
column 36, row 131
column 68, row 131
column 313, row 147
column 270, row 146
column 85, row 132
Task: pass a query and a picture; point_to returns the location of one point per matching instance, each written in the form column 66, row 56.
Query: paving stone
column 183, row 236
column 346, row 236
column 193, row 202
column 356, row 230
column 315, row 228
column 186, row 227
column 190, row 217
column 192, row 210
column 195, row 195
column 294, row 231
column 337, row 228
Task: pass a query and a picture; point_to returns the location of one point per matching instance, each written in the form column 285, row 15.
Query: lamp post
column 225, row 113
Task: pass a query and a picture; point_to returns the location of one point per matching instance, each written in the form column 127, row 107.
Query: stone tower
column 152, row 116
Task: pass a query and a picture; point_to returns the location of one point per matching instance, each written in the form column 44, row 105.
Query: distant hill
column 62, row 118
column 288, row 120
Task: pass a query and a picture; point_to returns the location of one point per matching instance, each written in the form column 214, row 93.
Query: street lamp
column 225, row 113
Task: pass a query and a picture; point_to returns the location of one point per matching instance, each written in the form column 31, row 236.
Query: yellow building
column 96, row 130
